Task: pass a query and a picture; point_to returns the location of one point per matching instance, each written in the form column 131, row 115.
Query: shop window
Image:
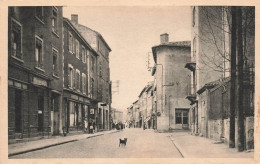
column 54, row 19
column 72, row 114
column 55, row 62
column 39, row 12
column 16, row 39
column 39, row 52
column 77, row 48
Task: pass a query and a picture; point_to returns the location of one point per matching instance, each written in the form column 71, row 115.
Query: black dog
column 123, row 142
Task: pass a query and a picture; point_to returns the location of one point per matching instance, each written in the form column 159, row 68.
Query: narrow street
column 140, row 144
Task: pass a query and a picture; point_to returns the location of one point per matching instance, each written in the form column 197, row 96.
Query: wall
column 175, row 75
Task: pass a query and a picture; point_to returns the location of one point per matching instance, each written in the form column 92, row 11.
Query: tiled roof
column 213, row 84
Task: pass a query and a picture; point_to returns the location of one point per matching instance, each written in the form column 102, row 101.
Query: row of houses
column 191, row 87
column 58, row 74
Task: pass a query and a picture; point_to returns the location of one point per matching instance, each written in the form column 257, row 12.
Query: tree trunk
column 233, row 80
column 240, row 80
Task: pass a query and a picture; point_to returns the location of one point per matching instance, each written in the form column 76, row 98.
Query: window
column 77, row 48
column 100, row 69
column 92, row 63
column 91, row 88
column 181, row 116
column 193, row 16
column 39, row 52
column 39, row 12
column 77, row 79
column 70, row 42
column 84, row 55
column 54, row 20
column 70, row 75
column 194, row 48
column 83, row 83
column 16, row 39
column 55, row 62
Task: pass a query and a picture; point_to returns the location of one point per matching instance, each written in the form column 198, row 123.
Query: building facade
column 209, row 92
column 171, row 81
column 80, row 89
column 34, row 71
column 104, row 97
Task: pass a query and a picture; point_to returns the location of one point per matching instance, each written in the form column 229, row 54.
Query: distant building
column 171, row 82
column 117, row 116
column 34, row 71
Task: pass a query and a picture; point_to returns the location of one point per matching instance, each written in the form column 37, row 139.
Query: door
column 18, row 111
column 40, row 112
column 182, row 118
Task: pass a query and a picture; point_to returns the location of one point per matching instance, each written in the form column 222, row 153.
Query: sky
column 131, row 31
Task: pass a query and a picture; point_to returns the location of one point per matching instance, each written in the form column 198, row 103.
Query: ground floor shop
column 32, row 106
column 80, row 113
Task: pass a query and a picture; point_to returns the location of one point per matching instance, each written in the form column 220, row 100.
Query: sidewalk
column 24, row 147
column 200, row 147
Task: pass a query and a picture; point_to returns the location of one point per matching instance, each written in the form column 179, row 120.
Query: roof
column 213, row 84
column 184, row 44
column 98, row 34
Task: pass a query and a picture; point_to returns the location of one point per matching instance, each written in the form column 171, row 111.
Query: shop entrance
column 40, row 112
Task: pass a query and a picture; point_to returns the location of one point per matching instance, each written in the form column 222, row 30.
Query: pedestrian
column 91, row 129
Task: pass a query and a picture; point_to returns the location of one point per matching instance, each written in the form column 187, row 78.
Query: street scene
column 131, row 82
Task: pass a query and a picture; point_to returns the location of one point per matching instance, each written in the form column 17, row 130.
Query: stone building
column 209, row 92
column 34, row 71
column 101, row 47
column 116, row 116
column 80, row 80
column 171, row 81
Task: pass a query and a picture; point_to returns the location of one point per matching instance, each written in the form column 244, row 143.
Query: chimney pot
column 164, row 38
column 74, row 18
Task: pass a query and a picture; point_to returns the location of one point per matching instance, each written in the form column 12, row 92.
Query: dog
column 122, row 142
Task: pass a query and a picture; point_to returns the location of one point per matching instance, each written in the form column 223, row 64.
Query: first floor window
column 55, row 62
column 70, row 75
column 39, row 12
column 84, row 83
column 39, row 52
column 77, row 48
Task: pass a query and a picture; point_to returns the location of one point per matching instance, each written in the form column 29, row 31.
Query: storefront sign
column 39, row 81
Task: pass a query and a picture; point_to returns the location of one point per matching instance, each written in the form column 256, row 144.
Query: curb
column 40, row 148
column 177, row 146
column 55, row 144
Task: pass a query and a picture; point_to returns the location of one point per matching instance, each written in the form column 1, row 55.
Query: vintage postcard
column 129, row 82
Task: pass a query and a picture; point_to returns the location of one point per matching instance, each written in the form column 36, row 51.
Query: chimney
column 164, row 38
column 74, row 18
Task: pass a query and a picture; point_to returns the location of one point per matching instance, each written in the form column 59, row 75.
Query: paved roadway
column 140, row 144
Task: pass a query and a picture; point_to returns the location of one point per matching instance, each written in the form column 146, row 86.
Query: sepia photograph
column 130, row 81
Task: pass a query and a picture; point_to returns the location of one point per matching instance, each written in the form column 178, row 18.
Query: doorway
column 181, row 118
column 18, row 111
column 40, row 112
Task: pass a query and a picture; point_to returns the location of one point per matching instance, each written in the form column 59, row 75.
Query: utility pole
column 240, row 111
column 233, row 80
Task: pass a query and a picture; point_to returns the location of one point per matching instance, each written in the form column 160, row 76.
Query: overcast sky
column 131, row 32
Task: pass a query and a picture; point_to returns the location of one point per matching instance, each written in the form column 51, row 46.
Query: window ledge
column 56, row 76
column 39, row 20
column 20, row 60
column 39, row 69
column 55, row 33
